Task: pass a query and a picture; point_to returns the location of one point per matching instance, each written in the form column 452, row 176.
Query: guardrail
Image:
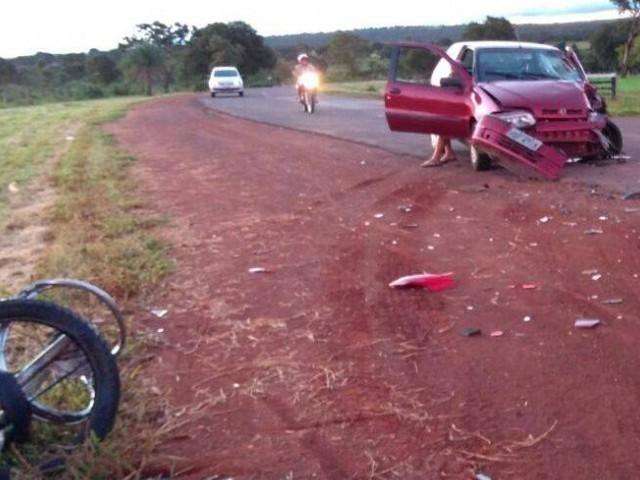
column 607, row 83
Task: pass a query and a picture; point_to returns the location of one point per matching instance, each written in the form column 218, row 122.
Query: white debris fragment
column 70, row 138
column 258, row 270
column 596, row 277
column 13, row 188
column 545, row 220
column 379, row 215
column 587, row 323
column 159, row 312
column 526, row 319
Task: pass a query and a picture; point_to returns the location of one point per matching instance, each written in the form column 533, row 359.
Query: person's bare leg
column 437, row 153
column 449, row 153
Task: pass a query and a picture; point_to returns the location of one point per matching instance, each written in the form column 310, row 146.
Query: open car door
column 516, row 151
column 413, row 104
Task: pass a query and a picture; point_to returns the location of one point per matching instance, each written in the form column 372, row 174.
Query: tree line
column 164, row 58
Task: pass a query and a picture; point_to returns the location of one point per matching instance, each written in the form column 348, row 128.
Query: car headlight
column 519, row 118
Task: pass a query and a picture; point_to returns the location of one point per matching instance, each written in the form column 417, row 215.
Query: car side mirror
column 451, row 82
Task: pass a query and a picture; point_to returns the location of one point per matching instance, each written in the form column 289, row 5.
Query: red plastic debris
column 529, row 286
column 430, row 281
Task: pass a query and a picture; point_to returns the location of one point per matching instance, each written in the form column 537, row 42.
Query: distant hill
column 550, row 33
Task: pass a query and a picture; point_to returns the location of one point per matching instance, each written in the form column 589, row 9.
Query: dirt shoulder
column 319, row 370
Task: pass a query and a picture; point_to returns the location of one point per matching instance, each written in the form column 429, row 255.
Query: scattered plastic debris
column 593, row 231
column 593, row 271
column 471, row 332
column 587, row 323
column 470, row 308
column 632, row 210
column 545, row 220
column 431, row 247
column 429, row 281
column 613, row 301
column 527, row 319
column 482, row 476
column 405, row 208
column 603, row 218
column 70, row 138
column 258, row 270
column 497, row 333
column 159, row 312
column 529, row 286
column 13, row 188
column 631, row 195
column 596, row 277
column 379, row 215
column 410, row 225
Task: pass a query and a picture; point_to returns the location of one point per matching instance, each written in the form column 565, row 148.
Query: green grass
column 97, row 234
column 369, row 88
column 627, row 101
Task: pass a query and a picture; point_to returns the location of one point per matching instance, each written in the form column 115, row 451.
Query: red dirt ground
column 320, row 370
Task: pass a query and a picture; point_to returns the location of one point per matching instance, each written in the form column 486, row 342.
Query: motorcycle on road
column 308, row 90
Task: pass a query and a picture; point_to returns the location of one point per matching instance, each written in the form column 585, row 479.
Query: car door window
column 421, row 67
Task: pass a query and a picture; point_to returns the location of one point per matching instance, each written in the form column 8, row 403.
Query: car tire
column 479, row 161
column 241, row 94
column 614, row 135
column 213, row 94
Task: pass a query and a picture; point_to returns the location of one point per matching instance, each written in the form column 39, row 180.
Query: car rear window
column 225, row 73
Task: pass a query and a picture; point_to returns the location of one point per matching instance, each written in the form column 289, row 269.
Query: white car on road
column 226, row 80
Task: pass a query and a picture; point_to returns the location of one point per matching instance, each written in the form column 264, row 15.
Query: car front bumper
column 227, row 89
column 561, row 140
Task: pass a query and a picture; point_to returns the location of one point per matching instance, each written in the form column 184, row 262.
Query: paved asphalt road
column 362, row 120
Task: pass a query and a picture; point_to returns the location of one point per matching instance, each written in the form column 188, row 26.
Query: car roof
column 500, row 44
column 224, row 68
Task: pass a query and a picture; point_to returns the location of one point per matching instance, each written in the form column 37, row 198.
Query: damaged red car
column 526, row 106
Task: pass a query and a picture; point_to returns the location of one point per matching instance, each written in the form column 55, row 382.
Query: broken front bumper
column 558, row 141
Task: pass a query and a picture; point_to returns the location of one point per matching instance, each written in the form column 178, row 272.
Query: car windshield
column 523, row 64
column 225, row 73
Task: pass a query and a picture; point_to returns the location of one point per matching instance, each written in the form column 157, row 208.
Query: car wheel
column 241, row 94
column 213, row 94
column 479, row 161
column 614, row 135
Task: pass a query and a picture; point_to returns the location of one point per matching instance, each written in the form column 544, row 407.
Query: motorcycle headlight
column 310, row 80
column 519, row 119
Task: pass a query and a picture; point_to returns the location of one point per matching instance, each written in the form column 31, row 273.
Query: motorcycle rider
column 303, row 66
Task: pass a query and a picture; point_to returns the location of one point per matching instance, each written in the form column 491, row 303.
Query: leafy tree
column 234, row 43
column 171, row 39
column 8, row 72
column 632, row 8
column 493, row 28
column 101, row 69
column 604, row 43
column 144, row 62
column 347, row 49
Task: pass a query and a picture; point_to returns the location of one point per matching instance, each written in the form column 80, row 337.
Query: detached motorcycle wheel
column 62, row 365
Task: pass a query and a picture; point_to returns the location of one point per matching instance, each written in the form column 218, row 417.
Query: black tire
column 241, row 94
column 479, row 161
column 103, row 364
column 213, row 94
column 16, row 408
column 614, row 135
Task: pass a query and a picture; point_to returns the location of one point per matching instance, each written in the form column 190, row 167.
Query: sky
column 65, row 26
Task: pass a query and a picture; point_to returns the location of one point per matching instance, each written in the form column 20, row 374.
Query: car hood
column 538, row 95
